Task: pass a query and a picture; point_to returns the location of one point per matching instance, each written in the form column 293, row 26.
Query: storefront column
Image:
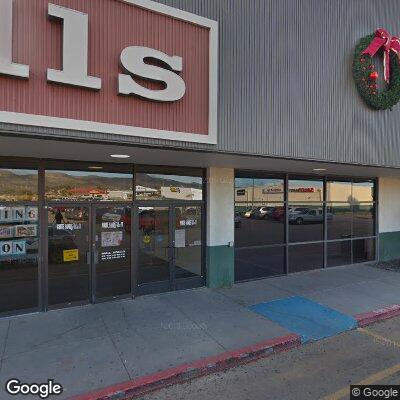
column 389, row 219
column 220, row 227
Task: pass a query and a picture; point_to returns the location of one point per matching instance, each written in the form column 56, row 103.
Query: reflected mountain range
column 11, row 182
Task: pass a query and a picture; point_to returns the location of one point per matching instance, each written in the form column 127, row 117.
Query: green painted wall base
column 220, row 266
column 389, row 246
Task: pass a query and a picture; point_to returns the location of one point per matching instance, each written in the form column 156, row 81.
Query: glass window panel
column 18, row 185
column 68, row 254
column 306, row 190
column 260, row 225
column 363, row 191
column 306, row 257
column 364, row 220
column 188, row 242
column 339, row 253
column 241, row 209
column 363, row 250
column 306, row 222
column 172, row 187
column 259, row 262
column 339, row 218
column 90, row 186
column 19, row 246
column 153, row 242
column 244, row 190
column 112, row 255
column 338, row 191
column 268, row 190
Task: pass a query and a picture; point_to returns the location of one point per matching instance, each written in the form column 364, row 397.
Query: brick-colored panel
column 113, row 25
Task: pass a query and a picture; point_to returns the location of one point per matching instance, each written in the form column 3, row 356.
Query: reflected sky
column 21, row 171
column 305, row 183
column 183, row 179
column 90, row 173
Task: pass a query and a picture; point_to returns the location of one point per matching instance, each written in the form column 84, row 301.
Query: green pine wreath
column 363, row 66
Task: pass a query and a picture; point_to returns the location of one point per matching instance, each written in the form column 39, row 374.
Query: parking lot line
column 379, row 338
column 374, row 378
column 370, row 380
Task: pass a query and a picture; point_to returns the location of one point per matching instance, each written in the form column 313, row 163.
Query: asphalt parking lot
column 319, row 370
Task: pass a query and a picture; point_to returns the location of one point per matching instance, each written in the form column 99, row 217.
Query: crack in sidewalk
column 116, row 349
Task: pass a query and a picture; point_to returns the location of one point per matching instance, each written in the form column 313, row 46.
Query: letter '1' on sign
column 75, row 49
column 7, row 67
column 133, row 61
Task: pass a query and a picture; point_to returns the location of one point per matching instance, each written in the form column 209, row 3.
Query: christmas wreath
column 365, row 74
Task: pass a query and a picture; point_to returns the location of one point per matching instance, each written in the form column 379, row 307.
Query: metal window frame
column 249, row 174
column 41, row 166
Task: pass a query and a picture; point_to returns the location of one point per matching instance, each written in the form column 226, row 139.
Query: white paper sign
column 111, row 239
column 180, row 238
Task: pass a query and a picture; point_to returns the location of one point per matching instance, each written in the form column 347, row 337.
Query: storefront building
column 150, row 146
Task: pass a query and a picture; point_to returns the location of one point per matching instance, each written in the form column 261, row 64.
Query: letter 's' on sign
column 133, row 59
column 122, row 67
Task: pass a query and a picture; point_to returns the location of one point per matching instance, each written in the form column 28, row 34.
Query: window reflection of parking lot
column 265, row 224
column 252, row 232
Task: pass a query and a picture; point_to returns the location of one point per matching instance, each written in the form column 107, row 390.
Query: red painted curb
column 371, row 317
column 193, row 370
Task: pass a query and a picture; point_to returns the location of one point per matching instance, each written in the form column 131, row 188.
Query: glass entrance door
column 89, row 252
column 111, row 251
column 170, row 252
column 68, row 254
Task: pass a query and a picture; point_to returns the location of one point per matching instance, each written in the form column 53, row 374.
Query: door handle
column 95, row 257
column 88, row 257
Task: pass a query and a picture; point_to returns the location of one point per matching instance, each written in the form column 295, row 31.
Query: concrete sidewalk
column 91, row 347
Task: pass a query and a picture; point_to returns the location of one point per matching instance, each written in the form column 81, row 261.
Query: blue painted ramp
column 310, row 320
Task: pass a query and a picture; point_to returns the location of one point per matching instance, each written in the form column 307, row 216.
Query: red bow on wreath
column 383, row 39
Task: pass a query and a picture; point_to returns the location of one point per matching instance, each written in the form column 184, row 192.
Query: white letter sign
column 133, row 60
column 75, row 49
column 7, row 67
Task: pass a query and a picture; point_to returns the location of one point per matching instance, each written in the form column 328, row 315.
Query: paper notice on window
column 25, row 230
column 180, row 238
column 70, row 255
column 111, row 239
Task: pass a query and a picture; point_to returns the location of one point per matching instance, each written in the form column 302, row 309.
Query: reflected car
column 264, row 212
column 76, row 213
column 150, row 221
column 192, row 211
column 250, row 213
column 111, row 217
column 59, row 240
column 278, row 214
column 301, row 216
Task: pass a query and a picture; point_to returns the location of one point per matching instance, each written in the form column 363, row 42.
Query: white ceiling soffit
column 80, row 151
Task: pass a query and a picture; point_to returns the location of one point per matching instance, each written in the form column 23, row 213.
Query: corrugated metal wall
column 285, row 83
